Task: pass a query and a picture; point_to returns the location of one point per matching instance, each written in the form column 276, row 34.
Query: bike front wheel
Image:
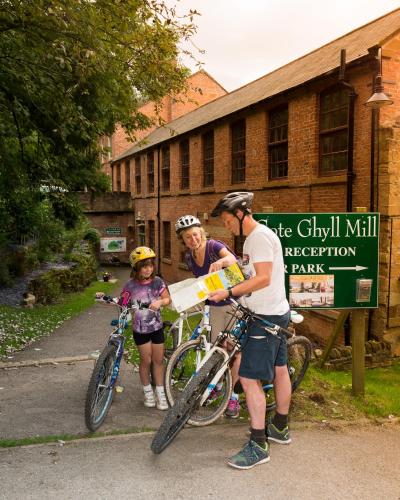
column 101, row 387
column 183, row 363
column 180, row 413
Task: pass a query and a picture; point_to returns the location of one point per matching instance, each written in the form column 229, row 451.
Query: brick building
column 113, row 214
column 201, row 89
column 302, row 139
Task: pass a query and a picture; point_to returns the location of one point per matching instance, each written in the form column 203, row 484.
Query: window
column 278, row 143
column 152, row 234
column 334, row 119
column 141, row 234
column 118, row 175
column 185, row 164
column 208, row 159
column 150, row 172
column 167, row 240
column 165, row 169
column 138, row 175
column 238, row 133
column 127, row 175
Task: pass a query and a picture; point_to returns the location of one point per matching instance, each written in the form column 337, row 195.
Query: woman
column 202, row 257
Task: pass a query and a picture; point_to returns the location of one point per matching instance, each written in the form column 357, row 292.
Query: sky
column 246, row 39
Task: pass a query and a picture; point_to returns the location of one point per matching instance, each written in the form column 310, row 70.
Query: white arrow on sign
column 355, row 268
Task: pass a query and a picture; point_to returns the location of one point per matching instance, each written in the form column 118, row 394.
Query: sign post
column 331, row 262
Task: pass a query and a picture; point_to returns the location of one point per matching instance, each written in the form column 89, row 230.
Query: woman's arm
column 226, row 259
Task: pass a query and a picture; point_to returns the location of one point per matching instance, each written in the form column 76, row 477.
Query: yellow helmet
column 141, row 253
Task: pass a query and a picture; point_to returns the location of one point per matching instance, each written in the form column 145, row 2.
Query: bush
column 93, row 236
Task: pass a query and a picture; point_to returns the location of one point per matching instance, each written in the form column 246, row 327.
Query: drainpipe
column 158, row 212
column 372, row 204
column 350, row 131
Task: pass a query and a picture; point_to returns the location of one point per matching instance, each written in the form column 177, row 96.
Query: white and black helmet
column 185, row 222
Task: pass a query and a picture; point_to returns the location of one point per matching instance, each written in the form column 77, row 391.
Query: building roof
column 293, row 74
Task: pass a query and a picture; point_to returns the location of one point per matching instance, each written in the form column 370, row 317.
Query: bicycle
column 186, row 359
column 210, row 366
column 103, row 381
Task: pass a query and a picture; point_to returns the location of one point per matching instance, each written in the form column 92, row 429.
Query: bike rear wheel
column 100, row 391
column 299, row 355
column 180, row 369
column 180, row 413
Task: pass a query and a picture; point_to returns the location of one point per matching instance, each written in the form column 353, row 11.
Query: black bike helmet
column 241, row 200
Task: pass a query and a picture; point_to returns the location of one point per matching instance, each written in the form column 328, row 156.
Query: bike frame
column 234, row 335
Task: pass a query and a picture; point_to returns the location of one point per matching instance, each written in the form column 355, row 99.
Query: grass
column 63, row 438
column 326, row 396
column 20, row 326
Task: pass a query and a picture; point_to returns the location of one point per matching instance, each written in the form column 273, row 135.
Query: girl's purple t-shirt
column 145, row 320
column 209, row 258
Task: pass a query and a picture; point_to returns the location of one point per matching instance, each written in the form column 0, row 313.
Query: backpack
column 211, row 252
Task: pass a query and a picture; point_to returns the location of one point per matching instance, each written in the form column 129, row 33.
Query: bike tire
column 178, row 373
column 180, row 413
column 100, row 394
column 299, row 356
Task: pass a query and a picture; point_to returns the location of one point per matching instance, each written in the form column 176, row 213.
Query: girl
column 148, row 294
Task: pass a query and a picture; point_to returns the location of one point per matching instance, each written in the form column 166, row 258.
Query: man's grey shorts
column 263, row 351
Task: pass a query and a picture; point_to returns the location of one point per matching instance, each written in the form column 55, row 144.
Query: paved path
column 353, row 464
column 49, row 399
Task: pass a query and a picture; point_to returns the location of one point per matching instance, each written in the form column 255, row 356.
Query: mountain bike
column 206, row 366
column 187, row 358
column 103, row 381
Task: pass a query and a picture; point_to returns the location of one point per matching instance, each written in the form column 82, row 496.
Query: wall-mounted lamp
column 378, row 98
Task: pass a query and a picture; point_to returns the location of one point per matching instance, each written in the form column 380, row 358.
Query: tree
column 69, row 71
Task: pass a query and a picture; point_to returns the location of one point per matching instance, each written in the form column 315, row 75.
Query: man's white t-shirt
column 263, row 245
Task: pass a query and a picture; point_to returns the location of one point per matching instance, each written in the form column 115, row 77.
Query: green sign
column 114, row 231
column 331, row 260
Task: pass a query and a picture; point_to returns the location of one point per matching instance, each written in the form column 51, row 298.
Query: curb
column 48, row 361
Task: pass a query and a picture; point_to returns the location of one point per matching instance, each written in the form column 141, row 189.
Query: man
column 264, row 356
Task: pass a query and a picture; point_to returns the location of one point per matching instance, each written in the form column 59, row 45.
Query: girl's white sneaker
column 149, row 399
column 162, row 403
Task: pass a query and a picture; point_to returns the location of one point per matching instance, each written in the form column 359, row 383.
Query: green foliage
column 70, row 70
column 93, row 236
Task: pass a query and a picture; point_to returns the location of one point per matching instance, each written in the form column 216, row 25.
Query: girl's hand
column 155, row 306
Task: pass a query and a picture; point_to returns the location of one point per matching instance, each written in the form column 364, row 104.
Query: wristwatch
column 230, row 294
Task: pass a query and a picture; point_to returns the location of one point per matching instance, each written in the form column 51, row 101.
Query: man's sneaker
column 149, row 399
column 274, row 434
column 233, row 408
column 252, row 454
column 161, row 401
